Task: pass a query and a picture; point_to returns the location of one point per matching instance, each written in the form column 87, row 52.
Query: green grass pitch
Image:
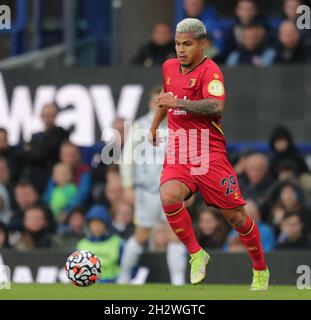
column 151, row 292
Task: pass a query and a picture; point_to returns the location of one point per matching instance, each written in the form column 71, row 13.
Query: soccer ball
column 83, row 268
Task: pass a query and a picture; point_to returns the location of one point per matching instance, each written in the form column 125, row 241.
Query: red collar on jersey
column 202, row 61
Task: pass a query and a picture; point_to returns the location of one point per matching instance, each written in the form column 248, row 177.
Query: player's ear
column 203, row 44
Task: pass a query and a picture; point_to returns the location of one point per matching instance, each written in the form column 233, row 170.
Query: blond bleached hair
column 194, row 26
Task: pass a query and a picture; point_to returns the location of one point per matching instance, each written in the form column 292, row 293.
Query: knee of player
column 170, row 197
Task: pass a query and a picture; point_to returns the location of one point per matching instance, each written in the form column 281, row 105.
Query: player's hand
column 153, row 137
column 129, row 195
column 167, row 100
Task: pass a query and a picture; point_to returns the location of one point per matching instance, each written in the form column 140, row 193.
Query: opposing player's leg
column 250, row 237
column 147, row 206
column 173, row 193
column 132, row 250
column 176, row 257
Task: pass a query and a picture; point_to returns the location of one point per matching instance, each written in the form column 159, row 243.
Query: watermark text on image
column 5, row 17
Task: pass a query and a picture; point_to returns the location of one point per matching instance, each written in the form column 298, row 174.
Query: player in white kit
column 141, row 184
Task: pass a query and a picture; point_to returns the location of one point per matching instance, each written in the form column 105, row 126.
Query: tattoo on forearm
column 205, row 107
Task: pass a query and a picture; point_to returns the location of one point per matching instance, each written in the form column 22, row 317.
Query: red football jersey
column 190, row 132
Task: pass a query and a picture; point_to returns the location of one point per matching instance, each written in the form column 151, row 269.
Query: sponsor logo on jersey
column 178, row 112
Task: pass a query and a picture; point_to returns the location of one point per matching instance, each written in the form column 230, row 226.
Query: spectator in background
column 212, row 52
column 5, row 149
column 288, row 197
column 5, row 180
column 35, row 233
column 286, row 170
column 290, row 48
column 290, row 10
column 199, row 10
column 98, row 176
column 27, row 197
column 122, row 214
column 4, row 236
column 289, row 13
column 235, row 245
column 100, row 168
column 239, row 160
column 293, row 235
column 305, row 184
column 253, row 49
column 247, row 14
column 38, row 157
column 8, row 153
column 70, row 155
column 4, row 171
column 160, row 48
column 284, row 149
column 118, row 124
column 160, row 237
column 255, row 181
column 70, row 233
column 209, row 16
column 212, row 228
column 5, row 208
column 103, row 242
column 265, row 230
column 113, row 188
column 63, row 191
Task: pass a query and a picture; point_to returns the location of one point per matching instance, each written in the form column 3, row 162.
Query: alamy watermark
column 304, row 279
column 5, row 277
column 304, row 20
column 180, row 146
column 5, row 17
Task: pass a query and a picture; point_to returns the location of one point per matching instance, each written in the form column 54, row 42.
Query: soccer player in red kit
column 193, row 99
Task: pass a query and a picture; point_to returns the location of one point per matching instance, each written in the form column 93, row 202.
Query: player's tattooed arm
column 205, row 107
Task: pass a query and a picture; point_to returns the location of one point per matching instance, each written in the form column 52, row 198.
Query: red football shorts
column 219, row 187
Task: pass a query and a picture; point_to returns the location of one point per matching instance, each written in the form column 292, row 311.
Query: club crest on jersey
column 168, row 81
column 192, row 82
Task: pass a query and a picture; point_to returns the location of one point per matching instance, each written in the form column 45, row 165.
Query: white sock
column 177, row 262
column 130, row 257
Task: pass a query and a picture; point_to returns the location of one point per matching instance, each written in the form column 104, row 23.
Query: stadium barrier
column 233, row 268
column 258, row 99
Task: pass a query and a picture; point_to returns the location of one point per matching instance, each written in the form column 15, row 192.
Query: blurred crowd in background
column 247, row 32
column 51, row 198
column 249, row 37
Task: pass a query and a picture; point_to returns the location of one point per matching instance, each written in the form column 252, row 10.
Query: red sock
column 250, row 237
column 181, row 223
